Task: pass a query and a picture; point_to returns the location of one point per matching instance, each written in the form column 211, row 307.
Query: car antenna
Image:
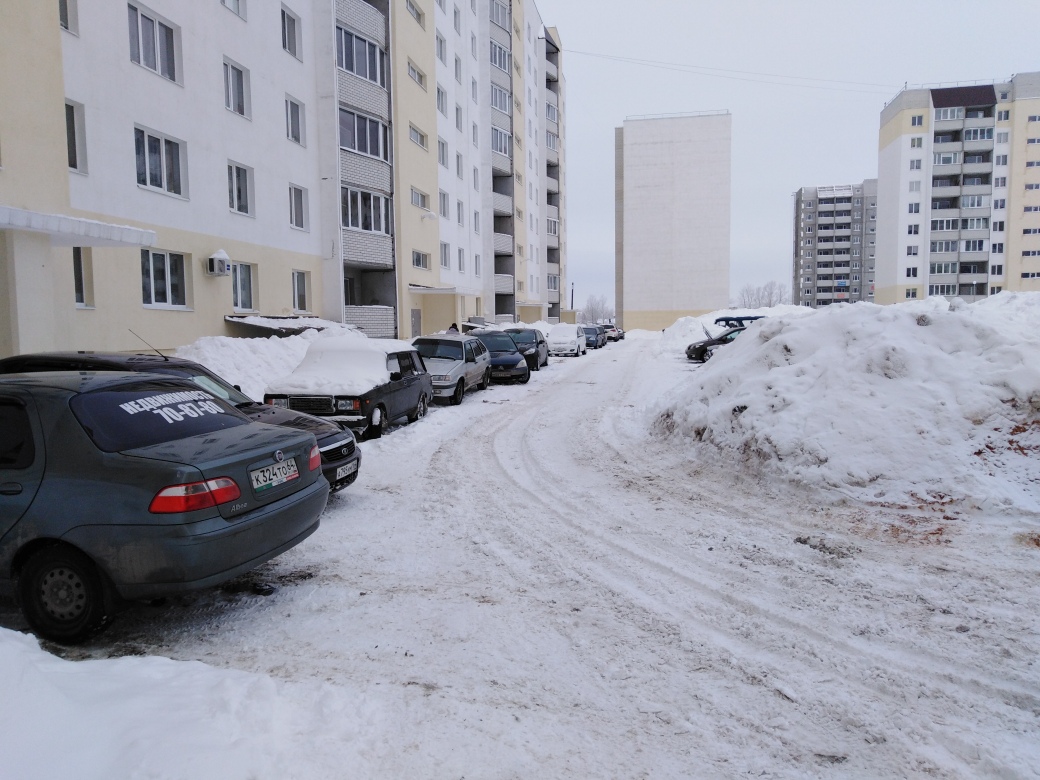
column 157, row 352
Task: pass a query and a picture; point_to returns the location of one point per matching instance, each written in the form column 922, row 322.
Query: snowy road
column 529, row 585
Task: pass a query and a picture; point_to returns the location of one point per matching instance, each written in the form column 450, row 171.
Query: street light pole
column 572, row 296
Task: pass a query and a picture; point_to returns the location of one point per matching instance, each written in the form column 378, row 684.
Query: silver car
column 456, row 364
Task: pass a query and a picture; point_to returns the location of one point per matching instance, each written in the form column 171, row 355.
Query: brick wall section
column 367, row 250
column 364, row 95
column 358, row 16
column 368, row 173
column 378, row 322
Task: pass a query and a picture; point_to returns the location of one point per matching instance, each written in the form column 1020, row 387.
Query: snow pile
column 343, row 365
column 923, row 401
column 686, row 330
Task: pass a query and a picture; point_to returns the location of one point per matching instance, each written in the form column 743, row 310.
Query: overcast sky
column 768, row 63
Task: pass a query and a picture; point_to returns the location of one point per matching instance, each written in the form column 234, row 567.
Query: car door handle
column 10, row 489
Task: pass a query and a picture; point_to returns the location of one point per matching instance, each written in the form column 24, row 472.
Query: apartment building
column 672, row 218
column 959, row 191
column 185, row 137
column 835, row 232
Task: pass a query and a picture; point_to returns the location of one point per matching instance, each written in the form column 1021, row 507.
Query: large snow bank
column 899, row 404
column 345, row 365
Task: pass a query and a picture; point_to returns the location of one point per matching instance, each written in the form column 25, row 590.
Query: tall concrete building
column 835, row 230
column 672, row 218
column 959, row 191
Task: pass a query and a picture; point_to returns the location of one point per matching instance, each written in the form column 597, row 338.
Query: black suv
column 340, row 455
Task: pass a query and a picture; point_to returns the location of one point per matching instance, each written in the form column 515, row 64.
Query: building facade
column 959, row 191
column 672, row 218
column 835, row 234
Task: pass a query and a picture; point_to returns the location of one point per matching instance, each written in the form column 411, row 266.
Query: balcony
column 946, row 192
column 504, row 284
column 553, row 242
column 503, row 244
column 978, row 146
column 501, row 164
column 503, row 204
column 554, row 296
column 552, row 156
column 367, row 250
column 551, row 71
column 552, row 184
column 377, row 322
column 947, row 147
column 977, row 168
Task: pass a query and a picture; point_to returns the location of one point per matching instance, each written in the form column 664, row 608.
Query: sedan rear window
column 155, row 412
column 498, row 342
column 432, row 348
column 523, row 336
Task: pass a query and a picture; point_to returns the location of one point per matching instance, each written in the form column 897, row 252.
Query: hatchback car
column 698, row 350
column 340, row 455
column 613, row 334
column 566, row 339
column 129, row 486
column 506, row 361
column 358, row 383
column 594, row 336
column 532, row 345
column 456, row 364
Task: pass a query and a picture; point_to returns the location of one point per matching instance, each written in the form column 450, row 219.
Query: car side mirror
column 395, row 376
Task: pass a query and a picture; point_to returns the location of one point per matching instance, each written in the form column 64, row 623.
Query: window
column 973, row 201
column 914, row 208
column 442, row 152
column 476, row 272
column 235, row 88
column 917, row 120
column 996, row 270
column 939, row 247
column 997, row 249
column 948, row 113
column 458, row 117
column 474, row 90
column 1002, row 138
column 442, row 204
column 462, row 260
column 83, row 277
column 552, row 140
column 458, row 69
column 420, row 199
column 941, row 158
column 942, row 289
column 1001, row 159
column 911, row 251
column 458, row 20
column 67, row 15
column 501, row 99
column 160, row 161
column 998, row 181
column 415, row 12
column 234, row 6
column 915, row 165
column 499, row 56
column 998, row 227
column 911, row 273
column 367, row 211
column 416, row 75
column 460, row 213
column 417, row 136
column 242, row 286
column 500, row 141
column 476, row 135
column 552, row 114
column 911, row 293
column 152, row 43
column 942, row 268
column 445, row 255
column 360, row 56
column 912, row 230
column 915, row 186
column 978, row 134
column 500, row 13
column 290, row 33
column 239, row 188
column 363, row 135
column 1003, row 116
column 975, row 245
column 299, row 290
column 442, row 101
column 74, row 137
column 442, row 49
column 916, row 142
column 163, row 280
column 998, row 204
column 420, row 259
column 552, row 226
column 476, row 178
column 459, row 165
column 294, row 120
column 297, row 207
column 476, row 222
column 995, row 290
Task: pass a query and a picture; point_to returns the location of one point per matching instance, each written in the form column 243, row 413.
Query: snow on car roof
column 341, row 365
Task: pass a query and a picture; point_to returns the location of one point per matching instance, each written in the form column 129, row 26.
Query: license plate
column 344, row 471
column 274, row 475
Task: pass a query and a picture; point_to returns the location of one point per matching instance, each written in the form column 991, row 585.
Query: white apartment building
column 835, row 234
column 959, row 191
column 672, row 218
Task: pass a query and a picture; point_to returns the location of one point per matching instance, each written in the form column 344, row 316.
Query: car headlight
column 347, row 404
column 282, row 402
column 440, row 377
column 530, row 351
column 519, row 361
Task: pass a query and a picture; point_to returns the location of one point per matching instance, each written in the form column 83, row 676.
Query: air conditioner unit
column 218, row 264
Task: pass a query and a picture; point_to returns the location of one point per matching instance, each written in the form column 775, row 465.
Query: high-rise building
column 835, row 229
column 959, row 191
column 672, row 218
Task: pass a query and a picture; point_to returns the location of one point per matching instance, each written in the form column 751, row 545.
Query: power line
column 741, row 75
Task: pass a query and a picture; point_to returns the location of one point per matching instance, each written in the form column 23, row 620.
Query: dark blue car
column 507, row 362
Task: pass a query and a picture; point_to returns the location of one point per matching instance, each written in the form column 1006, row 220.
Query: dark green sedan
column 118, row 486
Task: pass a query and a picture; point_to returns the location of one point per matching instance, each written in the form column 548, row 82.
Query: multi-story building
column 959, row 191
column 835, row 230
column 672, row 218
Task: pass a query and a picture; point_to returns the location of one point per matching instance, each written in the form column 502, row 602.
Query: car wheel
column 546, row 359
column 62, row 595
column 526, row 377
column 379, row 424
column 420, row 409
column 485, row 381
column 537, row 363
column 460, row 391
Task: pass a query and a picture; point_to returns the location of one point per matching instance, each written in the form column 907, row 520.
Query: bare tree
column 597, row 309
column 764, row 296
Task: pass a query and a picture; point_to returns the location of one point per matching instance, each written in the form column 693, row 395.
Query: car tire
column 460, row 392
column 420, row 409
column 525, row 378
column 537, row 363
column 485, row 381
column 378, row 424
column 62, row 595
column 546, row 359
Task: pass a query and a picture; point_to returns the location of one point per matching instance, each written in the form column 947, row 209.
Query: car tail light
column 195, row 495
column 315, row 462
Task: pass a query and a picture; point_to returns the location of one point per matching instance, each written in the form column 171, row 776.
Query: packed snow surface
column 616, row 571
column 341, row 365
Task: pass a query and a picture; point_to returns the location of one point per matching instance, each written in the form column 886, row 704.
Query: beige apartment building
column 672, row 218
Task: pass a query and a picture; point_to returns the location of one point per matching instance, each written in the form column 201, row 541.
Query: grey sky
column 784, row 136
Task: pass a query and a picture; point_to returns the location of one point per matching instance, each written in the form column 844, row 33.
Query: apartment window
column 1003, row 116
column 996, row 270
column 916, row 142
column 942, row 289
column 809, row 229
column 501, row 99
column 553, row 115
column 457, row 17
column 978, row 134
column 297, row 207
column 998, row 204
column 948, row 113
column 67, row 15
column 458, row 70
column 500, row 13
column 445, row 255
column 442, row 152
column 941, row 158
column 74, row 137
column 234, row 6
column 363, row 135
column 917, row 120
column 442, row 101
column 160, row 161
column 945, row 224
column 995, row 290
column 476, row 272
column 239, row 188
column 83, row 277
column 915, row 186
column 914, row 208
column 291, row 33
column 460, row 213
column 973, row 201
column 299, row 290
column 294, row 120
column 998, row 227
column 442, row 49
column 474, row 90
column 442, row 204
column 360, row 56
column 915, row 165
column 476, row 135
column 462, row 260
column 911, row 251
column 476, row 178
column 552, row 282
column 476, row 222
column 418, row 15
column 152, row 43
column 235, row 88
column 242, row 286
column 975, row 245
column 416, row 75
column 366, row 211
column 499, row 56
column 997, row 249
column 417, row 136
column 163, row 278
column 500, row 141
column 1001, row 159
column 911, row 293
column 1002, row 138
column 912, row 230
column 552, row 140
column 459, row 165
column 420, row 199
column 420, row 259
column 941, row 247
column 552, row 227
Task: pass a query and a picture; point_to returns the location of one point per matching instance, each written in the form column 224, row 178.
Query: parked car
column 613, row 334
column 506, row 361
column 358, row 383
column 456, row 364
column 738, row 321
column 594, row 336
column 340, row 455
column 698, row 350
column 566, row 339
column 532, row 345
column 130, row 486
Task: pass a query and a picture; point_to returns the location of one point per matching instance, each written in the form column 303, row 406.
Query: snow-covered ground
column 816, row 555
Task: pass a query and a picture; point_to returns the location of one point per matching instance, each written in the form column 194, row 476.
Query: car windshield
column 152, row 412
column 563, row 332
column 497, row 342
column 434, row 348
column 522, row 336
column 219, row 388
